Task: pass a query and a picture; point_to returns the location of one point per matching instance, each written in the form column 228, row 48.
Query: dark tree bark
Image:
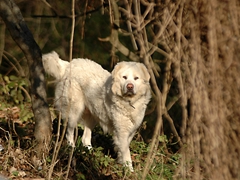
column 20, row 33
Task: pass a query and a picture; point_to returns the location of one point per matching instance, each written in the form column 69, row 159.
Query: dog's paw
column 89, row 147
column 129, row 166
column 131, row 169
column 72, row 144
column 70, row 140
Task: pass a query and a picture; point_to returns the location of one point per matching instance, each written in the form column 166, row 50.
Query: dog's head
column 129, row 79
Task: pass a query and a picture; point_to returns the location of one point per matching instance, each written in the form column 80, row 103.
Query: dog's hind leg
column 71, row 104
column 72, row 124
column 89, row 123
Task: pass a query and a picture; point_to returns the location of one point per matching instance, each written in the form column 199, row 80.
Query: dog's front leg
column 121, row 141
column 127, row 161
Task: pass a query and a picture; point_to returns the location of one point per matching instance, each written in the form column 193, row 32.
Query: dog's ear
column 116, row 88
column 117, row 67
column 146, row 74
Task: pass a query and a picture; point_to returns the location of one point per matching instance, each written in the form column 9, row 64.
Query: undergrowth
column 97, row 163
column 17, row 146
column 14, row 97
column 101, row 161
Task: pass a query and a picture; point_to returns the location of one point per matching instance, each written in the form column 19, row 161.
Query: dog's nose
column 130, row 86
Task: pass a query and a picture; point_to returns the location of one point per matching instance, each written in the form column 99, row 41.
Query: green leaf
column 12, row 85
column 19, row 95
column 23, row 82
column 13, row 78
column 13, row 93
column 6, row 78
column 105, row 163
column 15, row 173
column 162, row 138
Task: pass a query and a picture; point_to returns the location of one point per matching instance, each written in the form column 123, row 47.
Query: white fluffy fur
column 88, row 94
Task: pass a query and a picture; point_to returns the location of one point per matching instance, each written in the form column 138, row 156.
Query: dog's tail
column 53, row 65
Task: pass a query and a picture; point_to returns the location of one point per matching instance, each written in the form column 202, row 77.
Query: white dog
column 88, row 94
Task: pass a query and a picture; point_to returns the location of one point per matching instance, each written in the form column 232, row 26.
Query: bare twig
column 56, row 149
column 49, row 5
column 175, row 133
column 134, row 44
column 13, row 65
column 26, row 92
column 70, row 58
column 113, row 38
column 84, row 19
column 72, row 32
column 71, row 154
column 2, row 41
column 17, row 67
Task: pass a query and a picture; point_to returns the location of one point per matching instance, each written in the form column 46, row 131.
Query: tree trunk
column 20, row 33
column 198, row 87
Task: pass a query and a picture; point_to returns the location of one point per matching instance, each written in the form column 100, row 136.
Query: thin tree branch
column 2, row 41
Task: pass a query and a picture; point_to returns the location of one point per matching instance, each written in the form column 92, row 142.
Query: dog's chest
column 133, row 112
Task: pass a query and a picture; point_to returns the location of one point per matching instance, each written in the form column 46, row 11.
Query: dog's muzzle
column 129, row 89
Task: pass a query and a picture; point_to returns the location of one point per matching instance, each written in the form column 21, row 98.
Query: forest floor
column 18, row 159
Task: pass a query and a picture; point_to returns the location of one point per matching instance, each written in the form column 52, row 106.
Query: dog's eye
column 136, row 78
column 124, row 77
